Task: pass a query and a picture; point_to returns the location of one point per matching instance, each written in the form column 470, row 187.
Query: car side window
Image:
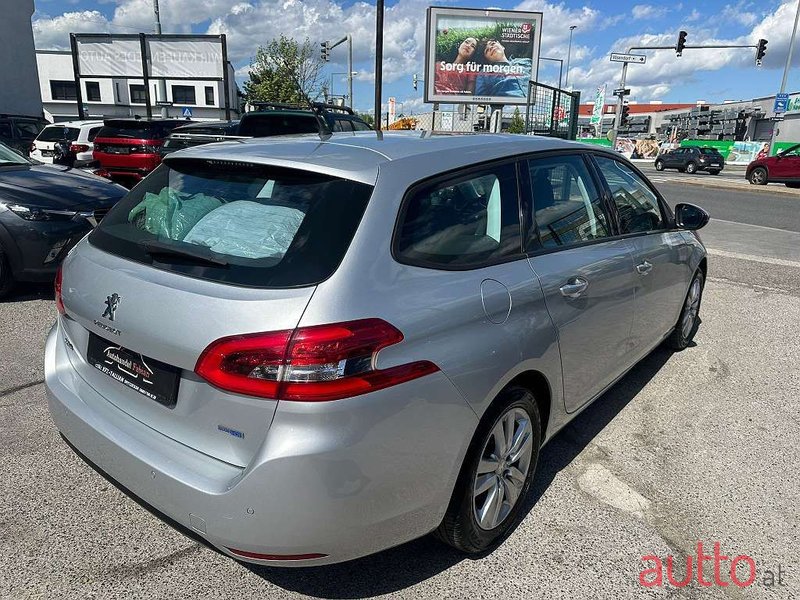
column 27, row 129
column 637, row 205
column 567, row 206
column 359, row 126
column 93, row 133
column 464, row 222
column 5, row 130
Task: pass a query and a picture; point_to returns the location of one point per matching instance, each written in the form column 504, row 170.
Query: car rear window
column 136, row 130
column 277, row 124
column 236, row 223
column 709, row 151
column 55, row 134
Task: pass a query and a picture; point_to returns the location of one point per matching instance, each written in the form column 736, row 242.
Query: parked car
column 784, row 167
column 284, row 119
column 691, row 160
column 80, row 134
column 306, row 351
column 128, row 149
column 44, row 211
column 196, row 134
column 19, row 131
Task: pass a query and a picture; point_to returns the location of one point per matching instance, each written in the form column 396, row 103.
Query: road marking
column 759, row 226
column 759, row 259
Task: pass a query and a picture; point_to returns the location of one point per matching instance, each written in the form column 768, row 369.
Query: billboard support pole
column 226, row 83
column 378, row 61
column 145, row 75
column 76, row 70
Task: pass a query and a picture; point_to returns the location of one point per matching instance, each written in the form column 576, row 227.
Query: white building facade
column 125, row 97
column 19, row 92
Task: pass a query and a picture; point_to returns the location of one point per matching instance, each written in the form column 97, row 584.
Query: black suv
column 19, row 131
column 272, row 118
column 691, row 160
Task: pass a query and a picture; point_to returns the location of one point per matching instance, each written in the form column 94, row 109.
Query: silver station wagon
column 309, row 350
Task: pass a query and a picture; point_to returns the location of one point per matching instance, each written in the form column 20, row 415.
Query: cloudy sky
column 602, row 27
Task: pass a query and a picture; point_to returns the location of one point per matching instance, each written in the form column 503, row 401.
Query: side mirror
column 690, row 217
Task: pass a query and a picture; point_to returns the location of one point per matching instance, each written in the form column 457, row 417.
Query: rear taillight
column 57, row 287
column 309, row 364
column 76, row 148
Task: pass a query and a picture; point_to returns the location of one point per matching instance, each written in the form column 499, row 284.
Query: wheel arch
column 538, row 385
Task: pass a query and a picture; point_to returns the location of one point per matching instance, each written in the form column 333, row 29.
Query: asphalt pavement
column 698, row 446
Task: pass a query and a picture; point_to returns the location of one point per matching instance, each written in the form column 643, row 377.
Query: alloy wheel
column 692, row 308
column 503, row 468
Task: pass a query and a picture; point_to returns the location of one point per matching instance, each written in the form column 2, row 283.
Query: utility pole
column 378, row 61
column 776, row 124
column 569, row 53
column 162, row 83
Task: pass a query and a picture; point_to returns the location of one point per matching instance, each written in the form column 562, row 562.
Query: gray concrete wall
column 19, row 79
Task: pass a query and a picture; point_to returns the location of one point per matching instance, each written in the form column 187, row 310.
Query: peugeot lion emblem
column 112, row 302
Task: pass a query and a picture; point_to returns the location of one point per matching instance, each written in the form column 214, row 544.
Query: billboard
column 481, row 56
column 169, row 56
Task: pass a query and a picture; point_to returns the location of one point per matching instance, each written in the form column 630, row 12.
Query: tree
column 279, row 67
column 517, row 124
column 367, row 118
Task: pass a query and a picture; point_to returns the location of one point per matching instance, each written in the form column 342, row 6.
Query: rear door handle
column 644, row 268
column 574, row 287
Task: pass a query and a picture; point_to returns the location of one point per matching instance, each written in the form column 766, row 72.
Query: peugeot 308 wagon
column 308, row 350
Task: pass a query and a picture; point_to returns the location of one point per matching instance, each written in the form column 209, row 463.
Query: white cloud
column 738, row 13
column 648, row 11
column 693, row 16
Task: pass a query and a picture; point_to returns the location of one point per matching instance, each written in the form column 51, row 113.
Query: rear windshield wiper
column 197, row 253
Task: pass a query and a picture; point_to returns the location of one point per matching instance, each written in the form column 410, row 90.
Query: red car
column 128, row 149
column 784, row 167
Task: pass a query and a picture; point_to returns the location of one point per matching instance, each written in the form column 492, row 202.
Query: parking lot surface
column 698, row 446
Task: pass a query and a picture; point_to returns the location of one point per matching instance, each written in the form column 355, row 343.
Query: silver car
column 306, row 351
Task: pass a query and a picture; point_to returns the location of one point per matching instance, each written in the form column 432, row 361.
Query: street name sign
column 631, row 58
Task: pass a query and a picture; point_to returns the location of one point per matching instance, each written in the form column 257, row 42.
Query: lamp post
column 569, row 53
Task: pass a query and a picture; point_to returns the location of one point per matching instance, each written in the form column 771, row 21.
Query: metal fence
column 552, row 111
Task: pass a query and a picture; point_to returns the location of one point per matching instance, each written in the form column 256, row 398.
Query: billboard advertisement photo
column 481, row 56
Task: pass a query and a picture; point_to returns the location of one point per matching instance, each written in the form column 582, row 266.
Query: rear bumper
column 345, row 479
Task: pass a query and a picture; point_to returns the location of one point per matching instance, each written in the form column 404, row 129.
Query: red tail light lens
column 76, row 148
column 57, row 286
column 310, row 364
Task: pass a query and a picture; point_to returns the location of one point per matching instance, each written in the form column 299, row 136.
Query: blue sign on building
column 781, row 103
column 187, row 112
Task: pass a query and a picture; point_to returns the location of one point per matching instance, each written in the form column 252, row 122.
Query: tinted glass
column 137, row 130
column 5, row 129
column 342, row 125
column 713, row 151
column 265, row 125
column 93, row 133
column 361, row 126
column 273, row 227
column 637, row 205
column 468, row 221
column 7, row 155
column 54, row 134
column 28, row 130
column 567, row 207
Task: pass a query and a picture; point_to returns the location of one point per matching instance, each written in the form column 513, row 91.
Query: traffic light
column 325, row 51
column 681, row 43
column 625, row 117
column 761, row 50
column 414, row 81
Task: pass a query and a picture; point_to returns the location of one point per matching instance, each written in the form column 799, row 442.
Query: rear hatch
column 131, row 145
column 195, row 253
column 44, row 145
column 712, row 157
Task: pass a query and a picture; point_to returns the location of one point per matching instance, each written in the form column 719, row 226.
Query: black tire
column 758, row 176
column 683, row 334
column 6, row 276
column 659, row 165
column 713, row 172
column 691, row 168
column 460, row 527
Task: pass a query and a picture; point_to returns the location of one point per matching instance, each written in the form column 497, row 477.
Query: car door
column 587, row 275
column 786, row 166
column 661, row 255
column 672, row 158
